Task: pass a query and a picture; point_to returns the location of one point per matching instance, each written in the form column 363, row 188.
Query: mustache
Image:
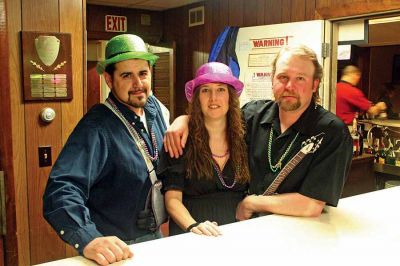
column 289, row 94
column 135, row 91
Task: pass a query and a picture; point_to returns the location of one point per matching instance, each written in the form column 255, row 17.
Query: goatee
column 289, row 106
column 139, row 103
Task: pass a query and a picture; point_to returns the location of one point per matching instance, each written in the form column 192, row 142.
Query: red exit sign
column 116, row 23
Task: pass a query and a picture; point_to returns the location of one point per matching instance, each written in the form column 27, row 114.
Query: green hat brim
column 151, row 58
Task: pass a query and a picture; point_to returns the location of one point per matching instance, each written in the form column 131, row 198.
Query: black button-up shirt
column 100, row 181
column 320, row 175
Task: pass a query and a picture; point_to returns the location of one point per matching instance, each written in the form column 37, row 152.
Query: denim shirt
column 100, row 181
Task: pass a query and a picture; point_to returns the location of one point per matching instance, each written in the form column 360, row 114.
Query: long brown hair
column 199, row 161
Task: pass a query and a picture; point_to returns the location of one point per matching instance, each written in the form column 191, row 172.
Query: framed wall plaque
column 47, row 66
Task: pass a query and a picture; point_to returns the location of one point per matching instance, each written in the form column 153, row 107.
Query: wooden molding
column 346, row 8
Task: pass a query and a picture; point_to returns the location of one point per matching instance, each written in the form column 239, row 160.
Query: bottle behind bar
column 360, row 130
column 382, row 153
column 376, row 150
column 356, row 137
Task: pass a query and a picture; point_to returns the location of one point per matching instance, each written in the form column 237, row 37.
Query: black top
column 100, row 181
column 320, row 175
column 389, row 107
column 205, row 199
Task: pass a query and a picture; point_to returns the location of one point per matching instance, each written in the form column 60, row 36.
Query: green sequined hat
column 124, row 47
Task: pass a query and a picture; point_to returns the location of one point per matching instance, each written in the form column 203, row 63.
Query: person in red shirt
column 351, row 100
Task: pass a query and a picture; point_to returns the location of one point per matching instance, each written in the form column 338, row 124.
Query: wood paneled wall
column 194, row 43
column 29, row 239
column 382, row 62
column 162, row 80
column 327, row 9
column 94, row 85
column 6, row 155
column 17, row 194
column 96, row 24
column 36, row 241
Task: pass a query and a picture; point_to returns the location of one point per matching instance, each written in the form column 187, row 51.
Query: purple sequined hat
column 211, row 73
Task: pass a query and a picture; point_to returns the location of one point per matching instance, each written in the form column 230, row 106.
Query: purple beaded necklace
column 136, row 134
column 221, row 177
column 220, row 156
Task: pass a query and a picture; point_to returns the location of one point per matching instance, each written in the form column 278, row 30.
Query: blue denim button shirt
column 99, row 182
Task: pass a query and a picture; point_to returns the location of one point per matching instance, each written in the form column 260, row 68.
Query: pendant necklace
column 278, row 165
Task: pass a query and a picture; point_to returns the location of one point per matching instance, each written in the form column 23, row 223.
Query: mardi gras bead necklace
column 278, row 165
column 134, row 132
column 220, row 156
column 221, row 177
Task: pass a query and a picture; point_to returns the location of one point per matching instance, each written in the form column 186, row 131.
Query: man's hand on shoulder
column 176, row 136
column 107, row 250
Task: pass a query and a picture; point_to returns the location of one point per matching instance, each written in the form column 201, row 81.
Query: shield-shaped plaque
column 47, row 48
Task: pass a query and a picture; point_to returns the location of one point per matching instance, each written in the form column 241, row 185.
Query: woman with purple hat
column 203, row 187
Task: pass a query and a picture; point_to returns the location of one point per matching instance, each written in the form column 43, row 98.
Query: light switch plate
column 44, row 156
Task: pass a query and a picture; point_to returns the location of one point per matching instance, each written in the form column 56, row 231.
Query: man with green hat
column 97, row 189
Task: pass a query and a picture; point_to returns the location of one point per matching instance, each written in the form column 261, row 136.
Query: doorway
column 372, row 43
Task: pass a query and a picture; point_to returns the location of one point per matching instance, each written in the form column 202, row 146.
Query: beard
column 288, row 106
column 137, row 101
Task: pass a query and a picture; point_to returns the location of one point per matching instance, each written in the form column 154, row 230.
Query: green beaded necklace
column 278, row 165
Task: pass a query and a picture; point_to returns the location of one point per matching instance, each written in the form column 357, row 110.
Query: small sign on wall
column 116, row 23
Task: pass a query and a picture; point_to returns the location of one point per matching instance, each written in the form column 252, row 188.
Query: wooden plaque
column 47, row 66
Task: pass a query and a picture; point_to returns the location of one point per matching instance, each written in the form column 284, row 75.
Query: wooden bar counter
column 361, row 178
column 363, row 230
column 385, row 173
